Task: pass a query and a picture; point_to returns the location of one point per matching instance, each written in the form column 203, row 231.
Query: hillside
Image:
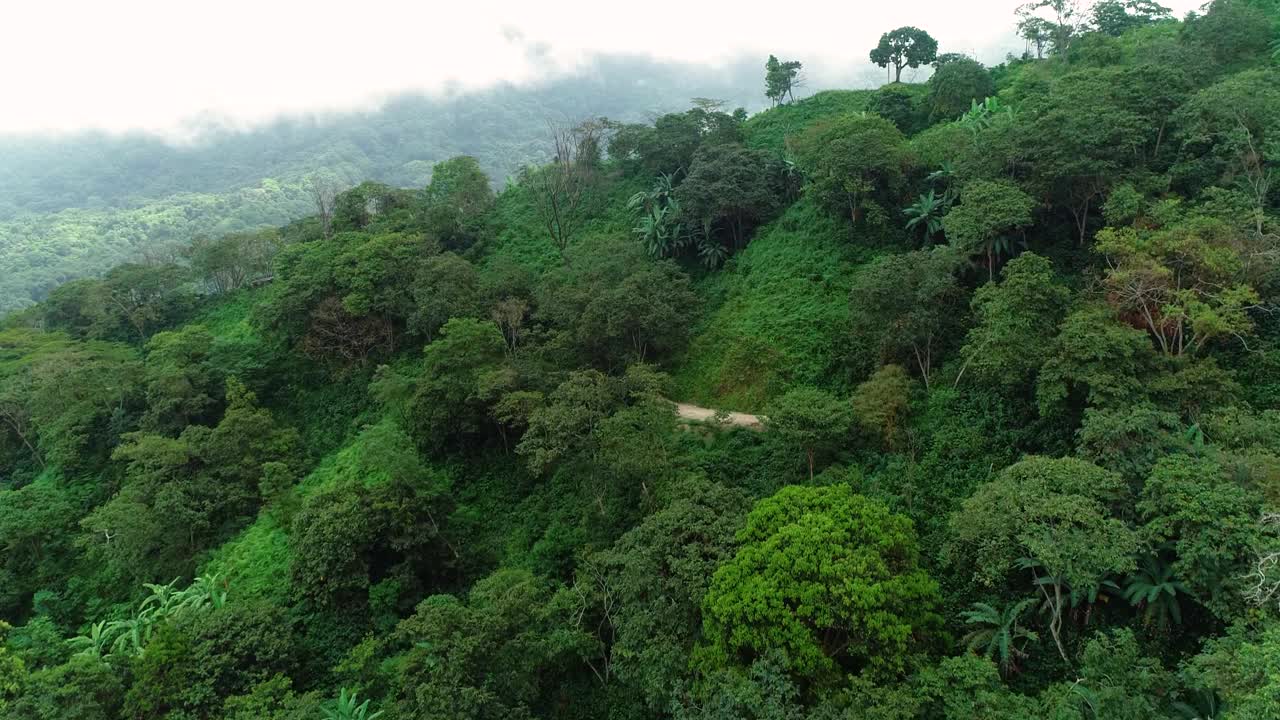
column 76, row 206
column 1001, row 352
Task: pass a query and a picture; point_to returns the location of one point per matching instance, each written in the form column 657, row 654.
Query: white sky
column 153, row 64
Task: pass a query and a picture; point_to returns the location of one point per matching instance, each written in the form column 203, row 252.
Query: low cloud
column 171, row 67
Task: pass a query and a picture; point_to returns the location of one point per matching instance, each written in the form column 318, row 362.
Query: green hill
column 1011, row 334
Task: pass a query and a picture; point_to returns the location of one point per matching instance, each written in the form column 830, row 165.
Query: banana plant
column 926, row 212
column 205, row 591
column 1156, row 590
column 1000, row 633
column 658, row 218
column 96, row 644
column 348, row 707
column 131, row 635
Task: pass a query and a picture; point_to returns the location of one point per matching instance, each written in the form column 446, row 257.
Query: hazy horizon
column 145, row 65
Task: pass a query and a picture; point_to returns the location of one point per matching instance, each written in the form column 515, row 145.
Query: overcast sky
column 153, row 64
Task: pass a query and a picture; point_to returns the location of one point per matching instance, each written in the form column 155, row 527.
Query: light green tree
column 824, row 579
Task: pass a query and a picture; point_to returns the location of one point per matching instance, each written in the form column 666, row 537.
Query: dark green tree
column 780, row 79
column 904, row 47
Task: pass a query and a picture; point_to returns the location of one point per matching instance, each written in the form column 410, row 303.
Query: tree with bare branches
column 561, row 188
column 324, row 191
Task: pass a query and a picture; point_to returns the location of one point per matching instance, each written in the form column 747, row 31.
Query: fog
column 169, row 67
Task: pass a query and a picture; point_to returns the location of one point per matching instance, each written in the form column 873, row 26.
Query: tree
column 900, row 104
column 617, row 306
column 1052, row 517
column 656, row 576
column 1116, row 17
column 1184, row 284
column 1155, row 589
column 383, row 512
column 999, row 633
column 233, row 261
column 827, row 580
column 733, row 188
column 1038, row 33
column 1015, row 323
column 955, row 86
column 904, row 47
column 882, row 402
column 182, row 384
column 927, row 212
column 1231, row 30
column 1071, row 158
column 1067, row 23
column 810, row 419
column 907, row 308
column 1209, row 521
column 780, row 79
column 1229, row 132
column 445, row 287
column 988, row 212
column 456, row 202
column 448, row 404
column 324, row 189
column 851, row 160
column 1095, row 361
column 484, row 655
column 561, row 190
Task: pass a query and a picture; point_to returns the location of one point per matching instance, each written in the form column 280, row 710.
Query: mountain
column 76, row 206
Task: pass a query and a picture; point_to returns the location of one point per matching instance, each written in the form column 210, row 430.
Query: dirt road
column 707, row 415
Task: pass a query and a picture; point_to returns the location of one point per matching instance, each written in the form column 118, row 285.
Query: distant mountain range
column 72, row 206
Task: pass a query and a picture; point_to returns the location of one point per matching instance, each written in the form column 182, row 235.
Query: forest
column 75, row 206
column 1011, row 334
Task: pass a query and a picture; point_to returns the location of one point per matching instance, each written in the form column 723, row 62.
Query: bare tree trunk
column 324, row 190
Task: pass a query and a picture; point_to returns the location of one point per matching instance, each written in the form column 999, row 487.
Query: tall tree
column 853, row 160
column 908, row 308
column 826, row 580
column 810, row 419
column 1016, row 321
column 988, row 214
column 905, row 47
column 780, row 79
column 1051, row 517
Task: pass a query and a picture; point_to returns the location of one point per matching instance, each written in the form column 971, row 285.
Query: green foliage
column 780, row 79
column 825, row 578
column 1209, row 522
column 987, row 215
column 955, row 86
column 414, row 455
column 811, row 420
column 881, row 404
column 1184, row 284
column 679, row 547
column 854, row 163
column 1000, row 634
column 780, row 315
column 770, row 129
column 348, row 707
column 907, row 309
column 1057, row 512
column 904, row 47
column 730, row 190
column 1015, row 322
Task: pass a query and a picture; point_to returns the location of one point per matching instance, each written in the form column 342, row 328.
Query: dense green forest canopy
column 1012, row 334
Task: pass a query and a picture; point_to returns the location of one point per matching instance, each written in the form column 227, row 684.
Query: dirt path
column 707, row 415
